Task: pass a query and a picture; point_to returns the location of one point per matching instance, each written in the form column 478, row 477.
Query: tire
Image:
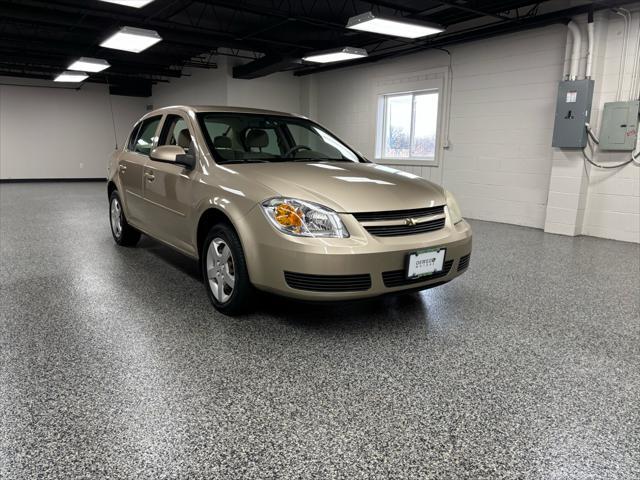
column 224, row 270
column 123, row 233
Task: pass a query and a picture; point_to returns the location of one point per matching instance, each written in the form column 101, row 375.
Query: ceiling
column 40, row 38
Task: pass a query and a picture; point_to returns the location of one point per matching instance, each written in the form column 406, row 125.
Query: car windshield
column 247, row 138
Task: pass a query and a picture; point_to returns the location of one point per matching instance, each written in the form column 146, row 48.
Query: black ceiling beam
column 45, row 73
column 492, row 30
column 395, row 6
column 479, row 12
column 78, row 49
column 414, row 12
column 263, row 66
column 61, row 62
column 275, row 13
column 133, row 89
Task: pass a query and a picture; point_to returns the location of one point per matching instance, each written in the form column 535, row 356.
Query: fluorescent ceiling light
column 71, row 77
column 336, row 55
column 132, row 39
column 86, row 64
column 130, row 3
column 393, row 26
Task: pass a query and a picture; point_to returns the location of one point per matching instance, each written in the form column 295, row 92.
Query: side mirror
column 173, row 154
column 187, row 159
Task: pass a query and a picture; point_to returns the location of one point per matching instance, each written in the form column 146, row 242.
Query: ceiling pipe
column 575, row 49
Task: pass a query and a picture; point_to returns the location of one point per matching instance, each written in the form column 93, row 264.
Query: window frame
column 434, row 80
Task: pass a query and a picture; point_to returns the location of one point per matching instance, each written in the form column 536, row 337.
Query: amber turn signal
column 289, row 216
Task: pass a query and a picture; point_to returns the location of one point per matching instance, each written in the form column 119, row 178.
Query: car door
column 131, row 167
column 167, row 188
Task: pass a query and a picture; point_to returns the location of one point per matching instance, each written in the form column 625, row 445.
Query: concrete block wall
column 584, row 199
column 501, row 165
column 613, row 201
column 504, row 91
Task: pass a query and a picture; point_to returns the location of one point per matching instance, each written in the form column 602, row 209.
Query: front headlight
column 304, row 219
column 454, row 209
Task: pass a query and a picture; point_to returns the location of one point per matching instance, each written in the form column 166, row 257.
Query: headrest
column 257, row 138
column 222, row 142
column 184, row 138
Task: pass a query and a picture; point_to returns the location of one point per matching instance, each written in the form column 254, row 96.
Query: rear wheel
column 123, row 233
column 225, row 271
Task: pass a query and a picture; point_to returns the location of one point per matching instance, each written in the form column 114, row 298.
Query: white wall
column 202, row 87
column 504, row 92
column 281, row 91
column 46, row 133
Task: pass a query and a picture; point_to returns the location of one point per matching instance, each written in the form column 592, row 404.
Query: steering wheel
column 295, row 149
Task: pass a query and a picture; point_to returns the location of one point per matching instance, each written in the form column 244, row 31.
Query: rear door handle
column 123, row 167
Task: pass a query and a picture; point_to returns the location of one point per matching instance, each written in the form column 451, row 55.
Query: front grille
column 328, row 283
column 464, row 262
column 398, row 230
column 398, row 214
column 398, row 278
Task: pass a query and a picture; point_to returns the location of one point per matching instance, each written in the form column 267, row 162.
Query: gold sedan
column 276, row 202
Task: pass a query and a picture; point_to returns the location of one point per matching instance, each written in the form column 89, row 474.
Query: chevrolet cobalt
column 275, row 202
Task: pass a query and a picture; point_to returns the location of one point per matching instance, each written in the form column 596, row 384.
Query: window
column 131, row 144
column 146, row 135
column 408, row 127
column 175, row 132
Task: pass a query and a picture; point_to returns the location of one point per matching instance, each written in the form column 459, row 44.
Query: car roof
column 222, row 109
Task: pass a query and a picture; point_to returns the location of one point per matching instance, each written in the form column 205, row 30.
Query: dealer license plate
column 425, row 262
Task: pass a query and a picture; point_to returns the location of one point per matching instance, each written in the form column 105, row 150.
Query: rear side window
column 146, row 135
column 131, row 144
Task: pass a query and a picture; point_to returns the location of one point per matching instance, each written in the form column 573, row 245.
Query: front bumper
column 269, row 254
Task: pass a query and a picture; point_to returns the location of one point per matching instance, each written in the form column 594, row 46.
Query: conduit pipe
column 635, row 95
column 575, row 49
column 590, row 37
column 623, row 52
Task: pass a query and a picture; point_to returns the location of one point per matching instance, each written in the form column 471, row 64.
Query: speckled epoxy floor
column 114, row 365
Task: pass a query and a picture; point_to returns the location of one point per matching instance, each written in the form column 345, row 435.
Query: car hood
column 345, row 186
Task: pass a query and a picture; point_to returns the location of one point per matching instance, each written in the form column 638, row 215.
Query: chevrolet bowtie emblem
column 410, row 222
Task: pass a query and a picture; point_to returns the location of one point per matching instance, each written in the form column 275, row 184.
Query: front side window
column 175, row 132
column 146, row 136
column 409, row 126
column 264, row 138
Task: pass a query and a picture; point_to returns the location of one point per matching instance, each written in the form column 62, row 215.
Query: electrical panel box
column 619, row 130
column 573, row 110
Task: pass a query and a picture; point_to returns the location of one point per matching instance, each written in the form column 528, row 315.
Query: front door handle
column 150, row 176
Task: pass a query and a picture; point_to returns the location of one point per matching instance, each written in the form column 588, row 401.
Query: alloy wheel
column 116, row 217
column 220, row 270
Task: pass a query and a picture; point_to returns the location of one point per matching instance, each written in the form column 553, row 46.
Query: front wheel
column 123, row 233
column 225, row 271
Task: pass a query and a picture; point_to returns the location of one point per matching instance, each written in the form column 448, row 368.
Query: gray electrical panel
column 619, row 130
column 573, row 110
